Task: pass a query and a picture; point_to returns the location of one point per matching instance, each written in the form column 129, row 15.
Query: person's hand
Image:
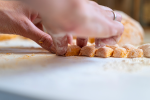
column 114, row 27
column 81, row 18
column 16, row 18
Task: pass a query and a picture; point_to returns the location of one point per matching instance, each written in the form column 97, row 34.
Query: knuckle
column 45, row 41
column 81, row 42
column 22, row 26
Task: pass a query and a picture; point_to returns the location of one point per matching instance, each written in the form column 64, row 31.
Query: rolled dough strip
column 88, row 51
column 135, row 53
column 104, row 52
column 73, row 50
column 120, row 53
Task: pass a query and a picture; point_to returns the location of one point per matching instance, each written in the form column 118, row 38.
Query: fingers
column 103, row 42
column 112, row 16
column 106, row 8
column 109, row 11
column 44, row 40
column 115, row 35
column 70, row 38
column 29, row 30
column 61, row 44
column 81, row 42
column 119, row 17
column 107, row 41
column 117, row 28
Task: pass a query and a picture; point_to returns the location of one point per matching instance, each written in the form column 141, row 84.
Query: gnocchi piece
column 73, row 50
column 120, row 53
column 135, row 53
column 88, row 51
column 113, row 46
column 104, row 52
column 146, row 50
column 129, row 47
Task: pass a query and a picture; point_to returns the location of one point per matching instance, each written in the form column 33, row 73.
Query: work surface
column 33, row 72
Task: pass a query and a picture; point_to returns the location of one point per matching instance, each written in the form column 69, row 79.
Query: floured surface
column 35, row 72
column 19, row 43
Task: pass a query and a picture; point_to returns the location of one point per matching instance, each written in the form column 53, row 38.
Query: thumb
column 36, row 34
column 61, row 44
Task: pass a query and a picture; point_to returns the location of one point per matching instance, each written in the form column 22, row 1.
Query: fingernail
column 81, row 42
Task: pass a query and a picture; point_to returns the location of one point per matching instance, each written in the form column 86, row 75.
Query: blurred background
column 137, row 9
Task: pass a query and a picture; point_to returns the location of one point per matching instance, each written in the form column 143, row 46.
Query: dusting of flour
column 128, row 65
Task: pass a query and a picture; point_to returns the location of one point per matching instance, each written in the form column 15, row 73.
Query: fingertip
column 81, row 42
column 70, row 38
column 61, row 44
column 46, row 42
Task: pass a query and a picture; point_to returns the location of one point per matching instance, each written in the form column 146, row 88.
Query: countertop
column 35, row 73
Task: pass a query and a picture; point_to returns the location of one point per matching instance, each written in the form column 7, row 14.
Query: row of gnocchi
column 126, row 51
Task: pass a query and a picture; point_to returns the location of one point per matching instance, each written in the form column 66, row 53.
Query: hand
column 17, row 18
column 81, row 18
column 113, row 39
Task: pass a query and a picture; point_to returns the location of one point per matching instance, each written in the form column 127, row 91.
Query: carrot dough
column 73, row 50
column 135, row 53
column 104, row 52
column 88, row 51
column 120, row 53
column 146, row 50
column 133, row 31
column 129, row 47
column 113, row 46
